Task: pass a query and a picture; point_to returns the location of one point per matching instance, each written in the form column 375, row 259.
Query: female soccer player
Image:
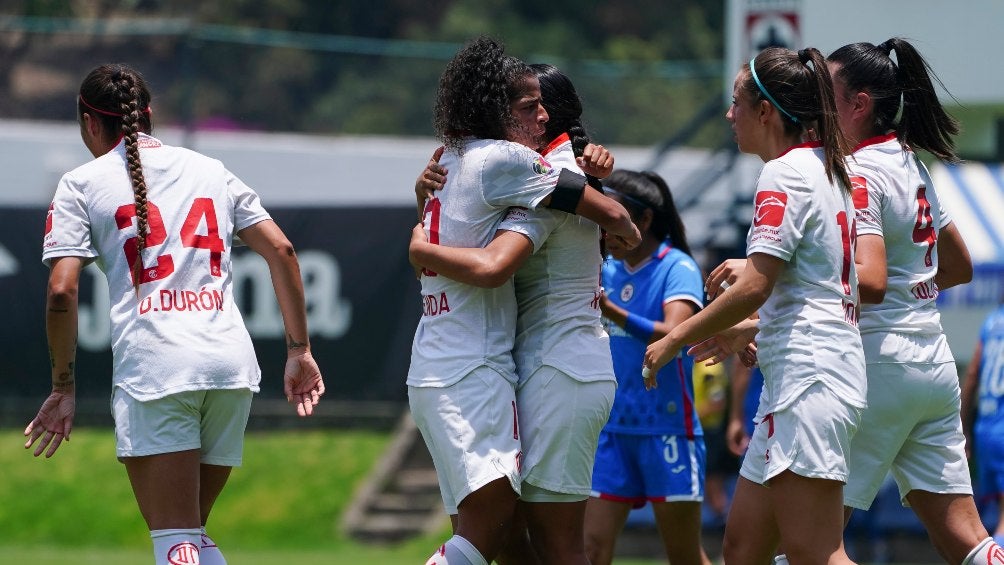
column 462, row 381
column 800, row 277
column 652, row 448
column 160, row 221
column 983, row 397
column 907, row 251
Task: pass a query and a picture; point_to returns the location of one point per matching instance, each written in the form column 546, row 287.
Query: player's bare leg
column 212, row 479
column 166, row 487
column 517, row 549
column 751, row 534
column 604, row 522
column 951, row 520
column 679, row 526
column 556, row 531
column 485, row 515
column 810, row 518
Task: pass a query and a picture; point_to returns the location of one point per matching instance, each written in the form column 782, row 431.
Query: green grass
column 283, row 506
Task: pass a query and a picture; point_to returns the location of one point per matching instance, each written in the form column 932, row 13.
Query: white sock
column 986, row 553
column 209, row 552
column 176, row 547
column 781, row 559
column 457, row 551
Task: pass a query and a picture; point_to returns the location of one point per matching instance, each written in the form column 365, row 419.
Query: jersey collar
column 555, row 143
column 806, row 145
column 875, row 140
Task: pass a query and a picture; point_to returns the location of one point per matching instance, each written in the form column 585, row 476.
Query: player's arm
column 674, row 313
column 733, row 306
column 573, row 194
column 55, row 418
column 955, row 266
column 735, row 430
column 303, row 384
column 970, row 386
column 870, row 263
column 486, row 267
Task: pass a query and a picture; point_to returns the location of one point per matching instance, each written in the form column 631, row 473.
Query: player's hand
column 723, row 276
column 736, row 438
column 748, row 356
column 432, row 178
column 629, row 239
column 302, row 382
column 723, row 345
column 657, row 355
column 596, row 161
column 52, row 424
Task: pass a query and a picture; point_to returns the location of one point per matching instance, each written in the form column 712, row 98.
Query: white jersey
column 463, row 326
column 558, row 289
column 808, row 325
column 181, row 331
column 895, row 199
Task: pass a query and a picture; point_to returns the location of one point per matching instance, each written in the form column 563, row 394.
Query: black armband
column 594, row 182
column 568, row 192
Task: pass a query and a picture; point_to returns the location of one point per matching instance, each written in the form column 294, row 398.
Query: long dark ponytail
column 804, row 97
column 924, row 123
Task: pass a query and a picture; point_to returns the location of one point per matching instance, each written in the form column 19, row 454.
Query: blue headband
column 759, row 85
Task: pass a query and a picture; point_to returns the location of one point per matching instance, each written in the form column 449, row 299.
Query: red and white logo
column 48, row 218
column 769, row 208
column 859, row 192
column 184, row 553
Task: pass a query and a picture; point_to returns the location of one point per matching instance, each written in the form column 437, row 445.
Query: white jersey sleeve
column 248, row 209
column 515, row 175
column 67, row 225
column 783, row 200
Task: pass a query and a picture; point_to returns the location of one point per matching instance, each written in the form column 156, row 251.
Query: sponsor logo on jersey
column 148, row 142
column 859, row 192
column 769, row 208
column 627, row 292
column 541, row 167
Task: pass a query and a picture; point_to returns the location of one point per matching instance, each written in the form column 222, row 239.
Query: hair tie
column 804, row 56
column 770, row 98
column 106, row 112
column 887, row 46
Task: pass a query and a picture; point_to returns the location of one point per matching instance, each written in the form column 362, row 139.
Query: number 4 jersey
column 894, row 198
column 181, row 329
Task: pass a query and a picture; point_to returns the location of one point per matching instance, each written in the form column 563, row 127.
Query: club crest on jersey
column 185, row 553
column 541, row 167
column 627, row 292
column 769, row 208
column 859, row 191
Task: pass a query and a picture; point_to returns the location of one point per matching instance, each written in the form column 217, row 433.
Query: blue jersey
column 668, row 409
column 990, row 405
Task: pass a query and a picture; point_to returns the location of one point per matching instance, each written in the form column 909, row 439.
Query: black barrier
column 362, row 298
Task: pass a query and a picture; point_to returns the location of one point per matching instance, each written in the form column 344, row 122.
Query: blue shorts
column 659, row 468
column 989, row 450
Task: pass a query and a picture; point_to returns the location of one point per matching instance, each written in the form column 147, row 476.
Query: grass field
column 281, row 507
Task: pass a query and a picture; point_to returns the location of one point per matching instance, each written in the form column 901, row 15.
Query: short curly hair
column 475, row 93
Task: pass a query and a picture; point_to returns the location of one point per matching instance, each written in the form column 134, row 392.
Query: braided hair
column 564, row 108
column 118, row 96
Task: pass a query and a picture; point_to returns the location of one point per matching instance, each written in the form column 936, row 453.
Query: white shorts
column 212, row 421
column 810, row 438
column 470, row 428
column 560, row 420
column 912, row 428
